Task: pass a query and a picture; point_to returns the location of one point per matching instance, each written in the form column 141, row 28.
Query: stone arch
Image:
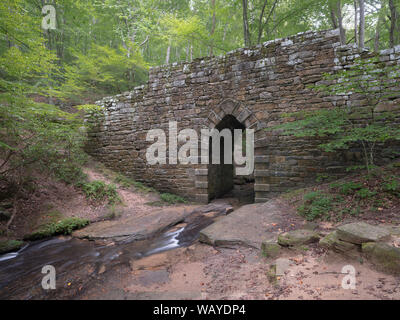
column 250, row 121
column 234, row 108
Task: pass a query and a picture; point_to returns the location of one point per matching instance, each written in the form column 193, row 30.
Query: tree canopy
column 107, row 45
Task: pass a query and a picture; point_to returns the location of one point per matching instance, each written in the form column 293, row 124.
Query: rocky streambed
column 100, row 247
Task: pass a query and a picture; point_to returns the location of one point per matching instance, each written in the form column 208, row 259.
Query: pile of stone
column 360, row 239
column 292, row 239
column 355, row 240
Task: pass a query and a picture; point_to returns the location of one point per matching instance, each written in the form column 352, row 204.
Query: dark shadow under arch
column 222, row 181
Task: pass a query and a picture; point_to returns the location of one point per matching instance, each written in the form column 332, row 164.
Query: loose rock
column 384, row 256
column 270, row 249
column 332, row 242
column 361, row 232
column 297, row 238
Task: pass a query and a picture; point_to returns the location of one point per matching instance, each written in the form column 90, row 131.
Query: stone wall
column 257, row 86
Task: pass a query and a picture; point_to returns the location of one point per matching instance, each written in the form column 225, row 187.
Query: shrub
column 392, row 186
column 65, row 227
column 123, row 181
column 316, row 205
column 126, row 182
column 10, row 245
column 99, row 191
column 365, row 193
column 69, row 174
column 339, row 128
column 172, row 198
column 347, row 188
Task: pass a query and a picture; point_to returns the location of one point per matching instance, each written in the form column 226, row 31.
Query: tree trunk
column 337, row 19
column 378, row 31
column 333, row 18
column 260, row 22
column 212, row 28
column 393, row 23
column 246, row 30
column 340, row 22
column 168, row 53
column 355, row 22
column 225, row 31
column 271, row 13
column 361, row 41
column 14, row 213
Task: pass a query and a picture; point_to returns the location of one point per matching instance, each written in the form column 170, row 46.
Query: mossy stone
column 361, row 232
column 297, row 238
column 270, row 249
column 10, row 246
column 332, row 242
column 383, row 256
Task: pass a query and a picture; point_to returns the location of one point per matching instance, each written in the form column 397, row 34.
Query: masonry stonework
column 256, row 86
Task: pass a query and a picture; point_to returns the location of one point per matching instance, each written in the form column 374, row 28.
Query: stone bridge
column 246, row 88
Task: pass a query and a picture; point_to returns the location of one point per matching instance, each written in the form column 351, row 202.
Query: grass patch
column 49, row 216
column 100, row 167
column 354, row 195
column 347, row 188
column 316, row 205
column 123, row 181
column 63, row 227
column 114, row 213
column 293, row 194
column 365, row 193
column 127, row 183
column 172, row 198
column 156, row 203
column 99, row 191
column 392, row 186
column 70, row 174
column 10, row 246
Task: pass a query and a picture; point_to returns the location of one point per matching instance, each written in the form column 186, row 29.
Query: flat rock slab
column 297, row 238
column 136, row 228
column 383, row 256
column 361, row 232
column 245, row 226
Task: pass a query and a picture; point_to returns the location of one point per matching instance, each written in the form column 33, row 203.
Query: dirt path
column 134, row 202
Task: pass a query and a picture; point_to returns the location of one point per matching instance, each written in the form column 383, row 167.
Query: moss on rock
column 297, row 238
column 383, row 256
column 64, row 227
column 270, row 249
column 361, row 232
column 10, row 246
column 332, row 242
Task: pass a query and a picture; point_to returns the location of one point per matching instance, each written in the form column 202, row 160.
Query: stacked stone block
column 256, row 85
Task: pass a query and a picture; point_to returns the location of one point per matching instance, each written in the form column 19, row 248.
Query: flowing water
column 20, row 272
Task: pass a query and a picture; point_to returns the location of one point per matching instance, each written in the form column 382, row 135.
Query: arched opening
column 222, row 179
